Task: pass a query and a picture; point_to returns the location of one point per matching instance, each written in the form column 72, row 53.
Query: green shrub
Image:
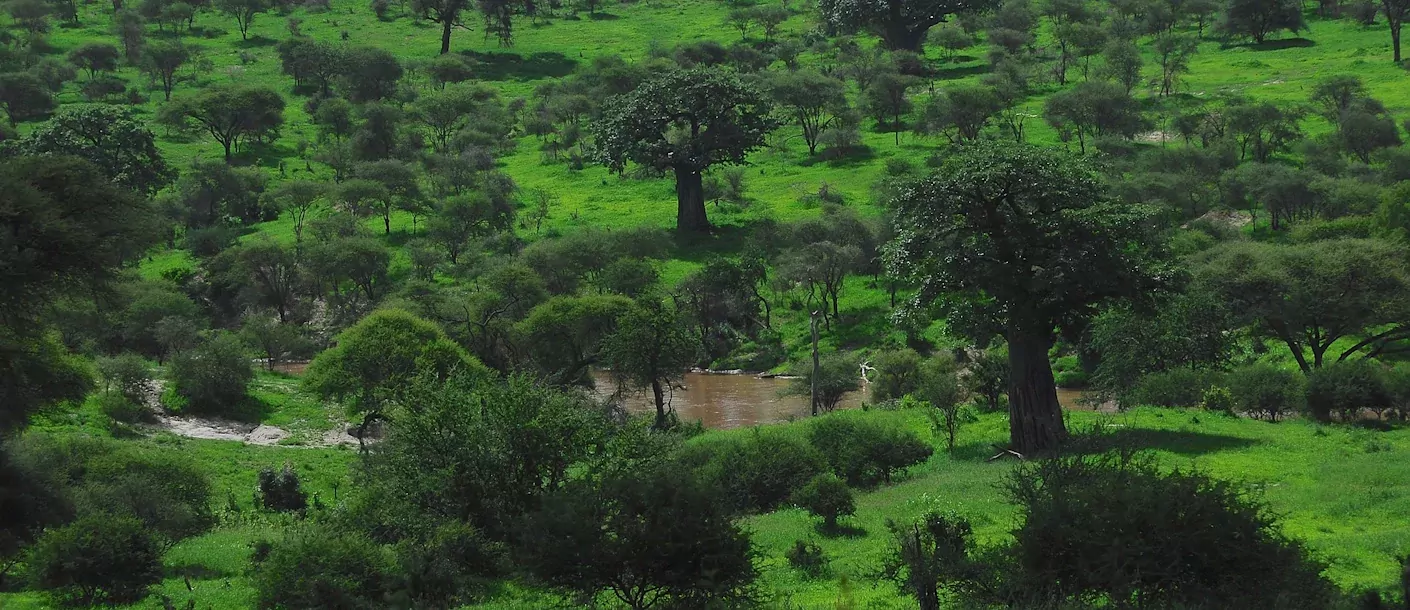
column 213, row 377
column 897, row 374
column 807, row 557
column 98, row 559
column 320, row 568
column 1111, row 526
column 1264, row 390
column 118, row 408
column 128, row 375
column 449, row 567
column 1345, row 388
column 862, row 450
column 828, row 497
column 1218, row 399
column 1182, row 387
column 167, row 493
column 758, row 470
column 280, row 490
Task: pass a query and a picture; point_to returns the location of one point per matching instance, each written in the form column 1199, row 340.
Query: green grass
column 1344, row 491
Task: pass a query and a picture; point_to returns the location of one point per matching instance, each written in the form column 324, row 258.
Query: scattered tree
column 685, row 121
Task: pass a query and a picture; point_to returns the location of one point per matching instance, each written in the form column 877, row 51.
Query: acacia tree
column 231, row 113
column 684, row 121
column 1395, row 12
column 650, row 349
column 1314, row 295
column 161, row 60
column 1258, row 19
column 444, row 12
column 902, row 24
column 812, row 101
column 1014, row 240
column 300, row 198
column 243, row 11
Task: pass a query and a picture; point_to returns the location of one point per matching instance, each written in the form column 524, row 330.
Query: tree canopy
column 1015, row 240
column 685, row 121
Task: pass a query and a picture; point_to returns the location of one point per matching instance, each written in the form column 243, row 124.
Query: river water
column 735, row 401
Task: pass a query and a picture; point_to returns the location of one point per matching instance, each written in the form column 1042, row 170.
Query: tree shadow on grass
column 255, row 42
column 603, row 17
column 196, row 571
column 962, row 71
column 1278, row 45
column 498, row 66
column 840, row 530
column 1182, row 442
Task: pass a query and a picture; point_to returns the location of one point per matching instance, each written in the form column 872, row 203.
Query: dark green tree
column 110, row 138
column 564, row 336
column 95, row 58
column 25, row 96
column 374, row 362
column 99, row 559
column 684, row 121
column 161, row 60
column 1312, row 297
column 232, row 113
column 828, row 497
column 1259, row 19
column 650, row 539
column 213, row 377
column 1091, row 109
column 812, row 101
column 243, row 11
column 1015, row 241
column 650, row 348
column 901, row 25
column 447, row 13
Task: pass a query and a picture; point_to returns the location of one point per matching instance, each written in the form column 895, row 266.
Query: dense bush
column 897, row 374
column 828, row 497
column 807, row 557
column 667, row 531
column 863, row 450
column 1346, row 388
column 280, row 490
column 212, row 378
column 168, row 494
column 837, row 375
column 449, row 566
column 758, row 470
column 1182, row 387
column 128, row 375
column 99, row 559
column 1263, row 390
column 1119, row 527
column 318, row 568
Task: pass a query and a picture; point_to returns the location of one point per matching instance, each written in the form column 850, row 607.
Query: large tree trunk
column 896, row 36
column 690, row 201
column 446, row 26
column 1395, row 47
column 1035, row 418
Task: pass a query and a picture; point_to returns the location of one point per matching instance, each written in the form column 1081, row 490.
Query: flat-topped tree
column 685, row 121
column 901, row 24
column 1015, row 240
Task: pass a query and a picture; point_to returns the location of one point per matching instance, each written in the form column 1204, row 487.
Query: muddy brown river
column 733, row 401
